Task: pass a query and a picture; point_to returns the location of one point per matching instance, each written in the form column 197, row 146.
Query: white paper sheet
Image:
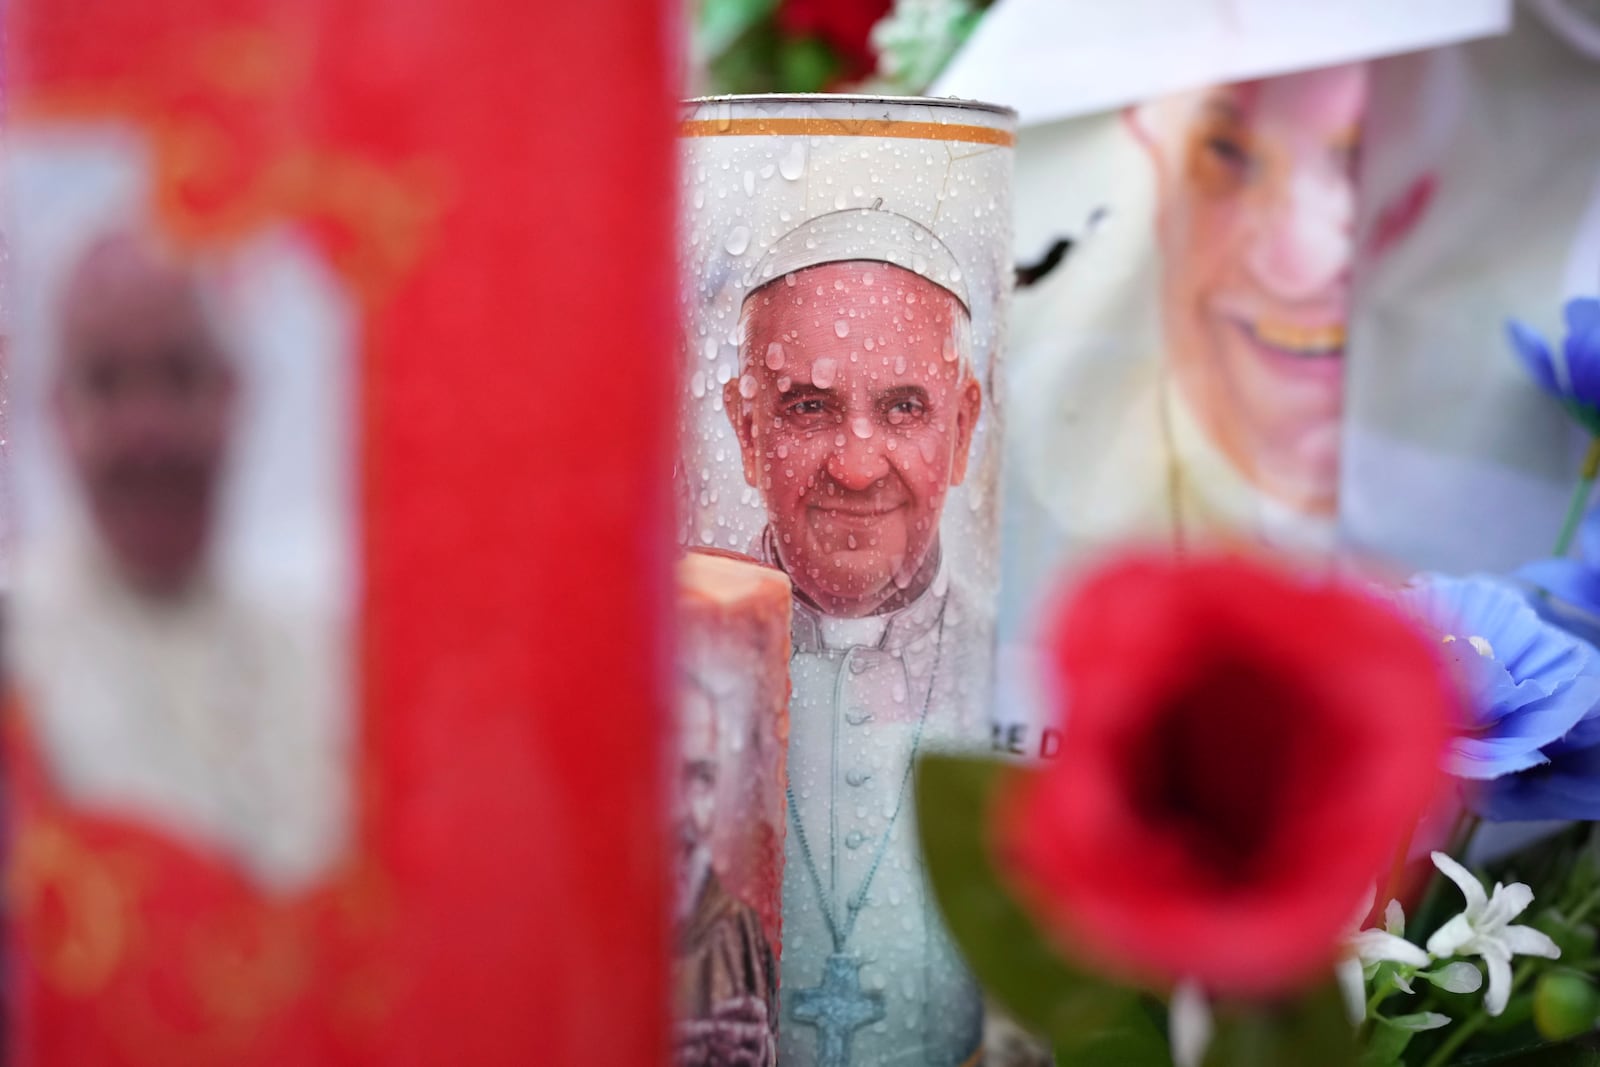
column 1052, row 59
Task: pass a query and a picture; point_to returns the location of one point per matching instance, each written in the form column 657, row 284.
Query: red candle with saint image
column 339, row 671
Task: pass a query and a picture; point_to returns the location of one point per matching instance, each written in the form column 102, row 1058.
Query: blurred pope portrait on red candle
column 181, row 657
column 326, row 730
column 154, row 680
column 155, row 673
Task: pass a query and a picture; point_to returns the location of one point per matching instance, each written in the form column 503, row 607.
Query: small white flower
column 1374, row 946
column 1189, row 1024
column 1484, row 929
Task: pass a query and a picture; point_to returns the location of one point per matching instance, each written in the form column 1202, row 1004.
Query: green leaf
column 806, row 65
column 1384, row 1046
column 1416, row 1022
column 1086, row 1019
column 1575, row 940
column 719, row 23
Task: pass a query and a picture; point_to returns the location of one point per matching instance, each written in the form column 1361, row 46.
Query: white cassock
column 209, row 717
column 868, row 696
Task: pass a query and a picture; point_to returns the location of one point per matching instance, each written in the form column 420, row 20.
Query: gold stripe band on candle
column 814, row 127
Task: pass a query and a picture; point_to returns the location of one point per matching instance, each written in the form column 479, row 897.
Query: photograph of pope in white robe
column 855, row 409
column 156, row 688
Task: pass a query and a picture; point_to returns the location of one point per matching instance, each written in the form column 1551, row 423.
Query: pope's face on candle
column 854, row 413
column 1256, row 193
column 143, row 398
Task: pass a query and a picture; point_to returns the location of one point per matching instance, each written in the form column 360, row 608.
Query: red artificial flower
column 846, row 26
column 1245, row 753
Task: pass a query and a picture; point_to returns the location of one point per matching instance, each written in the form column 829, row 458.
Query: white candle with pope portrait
column 847, row 271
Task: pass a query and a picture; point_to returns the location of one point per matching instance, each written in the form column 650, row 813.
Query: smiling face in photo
column 1256, row 186
column 854, row 413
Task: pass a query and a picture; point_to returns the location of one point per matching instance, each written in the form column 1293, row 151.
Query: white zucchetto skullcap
column 865, row 233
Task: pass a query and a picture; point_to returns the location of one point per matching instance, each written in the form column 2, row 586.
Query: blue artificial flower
column 1534, row 692
column 1573, row 582
column 1574, row 378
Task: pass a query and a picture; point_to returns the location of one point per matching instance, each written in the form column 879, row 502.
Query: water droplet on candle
column 793, row 163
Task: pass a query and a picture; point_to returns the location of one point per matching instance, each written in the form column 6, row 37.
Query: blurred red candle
column 486, row 189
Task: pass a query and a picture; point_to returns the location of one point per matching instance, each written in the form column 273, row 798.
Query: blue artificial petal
column 1499, row 612
column 1535, row 355
column 1491, row 684
column 1582, row 735
column 1582, row 314
column 1535, row 701
column 1472, row 758
column 1568, row 787
column 1589, row 538
column 1582, row 624
column 1548, row 720
column 1582, row 353
column 1535, row 649
column 1568, row 580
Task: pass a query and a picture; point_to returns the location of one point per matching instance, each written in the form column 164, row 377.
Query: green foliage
column 1306, row 1031
column 763, row 60
column 1565, row 1004
column 720, row 23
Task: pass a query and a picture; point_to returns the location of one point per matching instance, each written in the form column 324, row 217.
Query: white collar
column 889, row 631
column 1215, row 486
